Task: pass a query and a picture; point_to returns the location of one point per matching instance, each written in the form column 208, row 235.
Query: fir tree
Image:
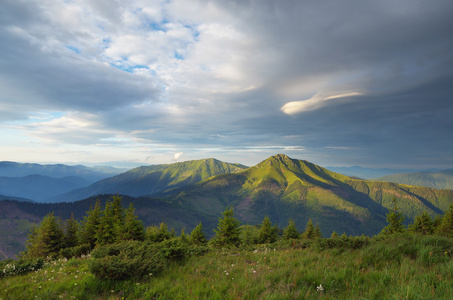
column 197, row 236
column 290, row 231
column 133, row 228
column 436, row 222
column 422, row 224
column 90, row 225
column 47, row 239
column 158, row 234
column 111, row 222
column 334, row 235
column 267, row 233
column 183, row 236
column 227, row 232
column 249, row 236
column 72, row 231
column 395, row 221
column 317, row 233
column 446, row 227
column 309, row 230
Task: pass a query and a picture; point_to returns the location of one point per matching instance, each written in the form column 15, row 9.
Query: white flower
column 320, row 288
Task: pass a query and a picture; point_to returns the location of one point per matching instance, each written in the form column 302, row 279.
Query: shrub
column 174, row 249
column 126, row 260
column 11, row 267
column 76, row 251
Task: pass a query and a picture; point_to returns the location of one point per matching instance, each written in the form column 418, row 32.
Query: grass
column 409, row 267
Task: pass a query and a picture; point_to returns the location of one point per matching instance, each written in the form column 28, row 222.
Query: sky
column 337, row 83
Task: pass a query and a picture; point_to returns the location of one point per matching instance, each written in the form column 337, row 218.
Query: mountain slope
column 437, row 180
column 284, row 188
column 38, row 187
column 151, row 180
column 17, row 218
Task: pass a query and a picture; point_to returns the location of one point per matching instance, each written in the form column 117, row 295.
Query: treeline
column 121, row 247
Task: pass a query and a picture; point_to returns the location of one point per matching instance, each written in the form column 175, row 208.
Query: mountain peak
column 277, row 159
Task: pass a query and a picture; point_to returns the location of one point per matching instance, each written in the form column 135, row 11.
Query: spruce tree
column 158, row 234
column 395, row 221
column 111, row 222
column 446, row 227
column 267, row 233
column 47, row 239
column 197, row 236
column 422, row 224
column 72, row 231
column 290, row 232
column 249, row 235
column 227, row 232
column 317, row 233
column 90, row 225
column 309, row 230
column 133, row 228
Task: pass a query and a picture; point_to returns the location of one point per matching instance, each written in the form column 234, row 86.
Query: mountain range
column 182, row 194
column 437, row 180
column 35, row 182
column 152, row 180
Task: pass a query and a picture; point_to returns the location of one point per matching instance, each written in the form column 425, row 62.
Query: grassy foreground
column 402, row 267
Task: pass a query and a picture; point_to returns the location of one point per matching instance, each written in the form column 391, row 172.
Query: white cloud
column 315, row 102
column 177, row 156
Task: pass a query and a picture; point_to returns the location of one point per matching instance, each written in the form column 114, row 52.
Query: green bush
column 174, row 249
column 343, row 242
column 11, row 267
column 126, row 260
column 76, row 251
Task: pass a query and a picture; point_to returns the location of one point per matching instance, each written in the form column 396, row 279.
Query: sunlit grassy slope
column 284, row 188
column 155, row 179
column 437, row 180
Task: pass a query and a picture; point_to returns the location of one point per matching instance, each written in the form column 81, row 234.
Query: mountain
column 151, row 180
column 437, row 180
column 368, row 173
column 4, row 197
column 279, row 187
column 17, row 218
column 14, row 169
column 38, row 187
column 284, row 188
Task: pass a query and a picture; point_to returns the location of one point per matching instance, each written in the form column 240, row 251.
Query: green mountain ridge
column 149, row 180
column 437, row 180
column 284, row 188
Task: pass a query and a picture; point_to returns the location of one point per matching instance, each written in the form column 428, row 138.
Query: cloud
column 221, row 77
column 177, row 156
column 315, row 102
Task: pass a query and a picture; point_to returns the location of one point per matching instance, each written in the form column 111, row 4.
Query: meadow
column 405, row 266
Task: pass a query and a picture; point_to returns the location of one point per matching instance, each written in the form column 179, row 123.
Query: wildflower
column 254, row 271
column 320, row 288
column 227, row 274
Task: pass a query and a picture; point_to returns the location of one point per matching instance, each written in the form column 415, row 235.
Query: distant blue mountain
column 23, row 181
column 15, row 169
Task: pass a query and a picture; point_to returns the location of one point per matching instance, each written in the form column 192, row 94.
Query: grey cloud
column 397, row 53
